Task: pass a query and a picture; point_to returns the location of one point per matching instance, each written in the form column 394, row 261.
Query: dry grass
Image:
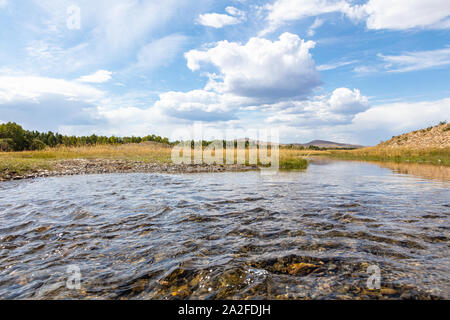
column 288, row 153
column 31, row 161
column 435, row 156
column 288, row 158
column 22, row 166
column 139, row 152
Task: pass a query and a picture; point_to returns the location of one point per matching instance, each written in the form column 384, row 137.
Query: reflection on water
column 426, row 171
column 420, row 170
column 297, row 235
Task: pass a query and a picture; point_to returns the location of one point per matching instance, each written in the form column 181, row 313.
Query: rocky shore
column 104, row 166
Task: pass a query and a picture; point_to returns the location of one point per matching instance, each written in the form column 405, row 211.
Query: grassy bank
column 146, row 152
column 297, row 159
column 32, row 161
column 21, row 166
column 432, row 156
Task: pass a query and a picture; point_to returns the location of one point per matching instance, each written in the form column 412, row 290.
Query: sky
column 341, row 70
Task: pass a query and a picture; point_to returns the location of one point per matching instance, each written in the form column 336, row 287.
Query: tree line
column 14, row 138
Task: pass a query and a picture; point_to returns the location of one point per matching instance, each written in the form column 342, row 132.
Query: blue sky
column 342, row 70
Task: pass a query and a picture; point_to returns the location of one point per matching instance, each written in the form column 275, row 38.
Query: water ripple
column 298, row 235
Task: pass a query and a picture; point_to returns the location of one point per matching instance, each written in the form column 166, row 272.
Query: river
column 334, row 231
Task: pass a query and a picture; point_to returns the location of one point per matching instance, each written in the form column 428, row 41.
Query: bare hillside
column 432, row 137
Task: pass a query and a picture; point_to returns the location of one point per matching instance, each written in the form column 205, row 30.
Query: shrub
column 6, row 145
column 37, row 144
column 293, row 163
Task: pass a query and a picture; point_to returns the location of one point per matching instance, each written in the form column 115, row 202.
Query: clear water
column 296, row 235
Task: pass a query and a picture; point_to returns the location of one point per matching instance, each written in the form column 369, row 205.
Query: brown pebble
column 388, row 291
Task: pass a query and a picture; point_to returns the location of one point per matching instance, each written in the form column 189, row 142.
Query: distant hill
column 328, row 145
column 331, row 144
column 432, row 137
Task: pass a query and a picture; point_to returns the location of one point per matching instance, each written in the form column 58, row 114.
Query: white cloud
column 322, row 117
column 406, row 14
column 289, row 10
column 261, row 68
column 367, row 125
column 41, row 103
column 378, row 14
column 235, row 12
column 317, row 24
column 200, row 105
column 406, row 62
column 346, row 101
column 160, row 52
column 217, row 20
column 392, row 119
column 30, row 87
column 283, row 11
column 50, row 57
column 326, row 67
column 100, row 76
column 419, row 60
column 339, row 108
column 110, row 30
column 366, row 69
column 3, row 3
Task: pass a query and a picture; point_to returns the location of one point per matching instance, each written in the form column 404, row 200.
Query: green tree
column 16, row 133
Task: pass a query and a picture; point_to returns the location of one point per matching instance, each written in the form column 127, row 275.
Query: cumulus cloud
column 339, row 108
column 346, row 101
column 368, row 125
column 100, row 76
column 261, row 68
column 199, row 105
column 378, row 14
column 216, row 20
